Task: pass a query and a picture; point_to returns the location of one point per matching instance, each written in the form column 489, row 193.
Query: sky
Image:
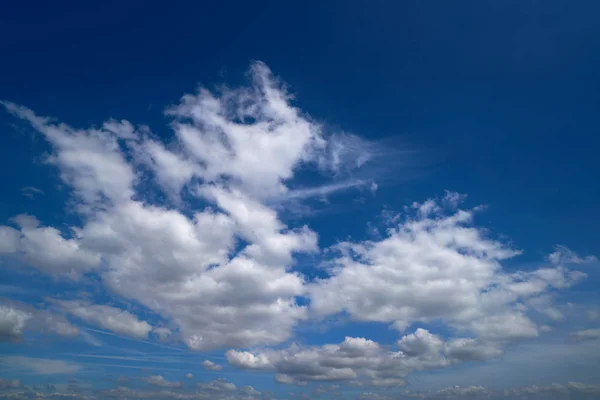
column 299, row 200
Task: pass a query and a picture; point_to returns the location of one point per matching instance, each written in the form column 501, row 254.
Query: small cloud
column 211, row 366
column 158, row 380
column 593, row 315
column 189, row 375
column 586, row 335
column 31, row 191
column 218, row 385
column 564, row 255
column 162, row 333
column 40, row 366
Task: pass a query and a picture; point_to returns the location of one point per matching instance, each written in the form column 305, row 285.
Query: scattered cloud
column 436, row 266
column 188, row 228
column 363, row 360
column 218, row 385
column 17, row 317
column 31, row 191
column 106, row 317
column 211, row 366
column 40, row 366
column 587, row 334
column 563, row 255
column 157, row 380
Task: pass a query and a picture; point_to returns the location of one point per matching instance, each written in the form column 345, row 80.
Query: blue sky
column 354, row 200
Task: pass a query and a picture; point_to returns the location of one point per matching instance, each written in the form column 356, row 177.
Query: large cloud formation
column 189, row 227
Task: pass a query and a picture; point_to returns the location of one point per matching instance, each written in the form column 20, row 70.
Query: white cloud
column 220, row 275
column 157, row 380
column 40, row 366
column 90, row 161
column 218, row 389
column 211, row 366
column 12, row 322
column 218, row 385
column 16, row 318
column 189, row 375
column 45, row 248
column 563, row 255
column 218, row 269
column 162, row 333
column 110, row 318
column 436, row 265
column 257, row 155
column 587, row 334
column 363, row 360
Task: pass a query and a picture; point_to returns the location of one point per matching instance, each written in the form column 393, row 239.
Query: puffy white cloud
column 362, row 360
column 12, row 322
column 90, row 161
column 218, row 385
column 211, row 366
column 16, row 318
column 420, row 342
column 217, row 264
column 9, row 239
column 189, row 375
column 107, row 317
column 250, row 135
column 158, row 380
column 45, row 248
column 435, row 265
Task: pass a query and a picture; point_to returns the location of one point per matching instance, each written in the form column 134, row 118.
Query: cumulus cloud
column 211, row 366
column 12, row 322
column 90, row 161
column 435, row 264
column 107, row 317
column 218, row 385
column 45, row 248
column 214, row 261
column 363, row 360
column 220, row 274
column 157, row 380
column 16, row 318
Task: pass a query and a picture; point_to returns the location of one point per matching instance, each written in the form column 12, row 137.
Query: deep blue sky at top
column 502, row 94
